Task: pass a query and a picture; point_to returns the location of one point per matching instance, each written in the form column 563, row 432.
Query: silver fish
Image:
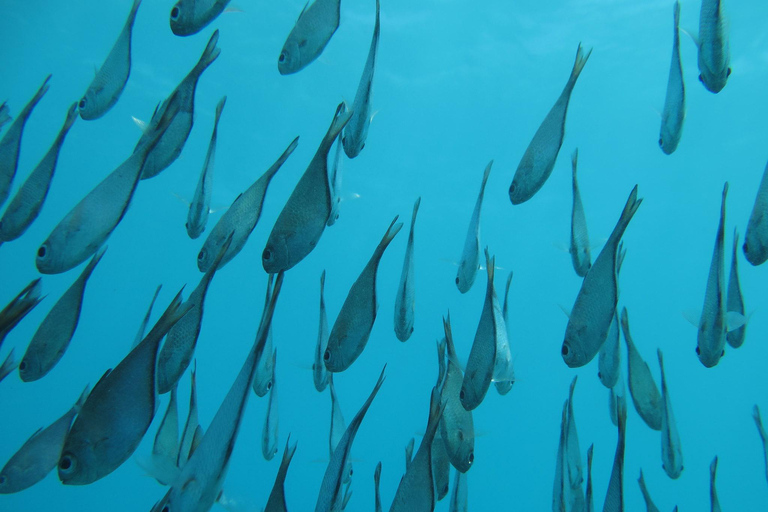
column 458, row 501
column 671, row 450
column 118, row 411
column 735, row 300
column 580, row 255
column 201, row 202
column 352, row 328
column 262, row 381
column 314, row 28
column 179, row 346
column 712, row 490
column 356, row 131
column 8, row 365
column 189, row 17
column 590, row 506
column 573, row 468
column 491, row 332
column 338, row 427
column 710, row 339
column 18, row 308
column 11, row 143
column 334, row 181
column 5, row 114
column 191, row 426
column 319, row 373
column 276, row 501
column 39, row 454
column 271, row 420
column 376, row 482
column 88, row 225
column 241, row 217
column 457, row 428
column 55, row 332
column 336, row 470
column 165, row 448
column 756, row 239
column 673, row 115
column 503, row 368
column 649, row 505
column 609, row 360
column 645, row 394
column 182, row 99
column 595, row 305
column 302, row 221
column 199, row 483
column 28, row 201
column 539, row 158
column 470, row 255
column 614, row 496
column 145, row 321
column 409, row 453
column 763, row 436
column 110, row 79
column 405, row 299
column 416, row 491
column 714, row 49
column 441, row 467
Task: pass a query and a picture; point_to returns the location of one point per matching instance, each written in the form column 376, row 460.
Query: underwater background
column 457, row 84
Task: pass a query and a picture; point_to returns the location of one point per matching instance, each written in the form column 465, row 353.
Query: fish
column 334, row 182
column 649, row 505
column 145, row 321
column 8, row 365
column 91, row 221
column 503, row 368
column 336, row 470
column 561, row 487
column 405, row 299
column 580, row 254
column 55, row 332
column 712, row 490
column 118, row 412
column 109, row 82
column 409, row 453
column 302, row 221
column 165, row 448
column 614, row 496
column 189, row 17
column 271, row 420
column 763, row 436
column 714, row 48
column 338, row 427
column 262, row 381
column 376, row 483
column 735, row 300
column 353, row 325
column 540, row 155
column 28, row 201
column 457, row 427
column 441, row 467
column 491, row 332
column 470, row 255
column 609, row 360
column 241, row 217
column 673, row 114
column 356, row 132
column 19, row 306
column 458, row 501
column 201, row 202
column 179, row 347
column 182, row 100
column 11, row 142
column 39, row 454
column 276, row 500
column 187, row 443
column 645, row 394
column 616, row 396
column 319, row 373
column 595, row 304
column 5, row 114
column 573, row 467
column 710, row 339
column 671, row 450
column 416, row 491
column 756, row 238
column 308, row 38
column 199, row 483
column 590, row 505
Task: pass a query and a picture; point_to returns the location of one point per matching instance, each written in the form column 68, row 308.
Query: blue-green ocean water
column 457, row 84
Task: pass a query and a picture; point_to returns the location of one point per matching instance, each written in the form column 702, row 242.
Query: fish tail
column 735, row 243
column 490, row 266
column 132, row 14
column 633, row 203
column 415, row 210
column 72, row 114
column 393, row 230
column 574, row 162
column 281, row 160
column 579, row 63
column 173, row 313
column 94, row 261
column 676, row 10
column 210, row 53
column 219, row 109
column 37, row 97
column 340, row 119
column 486, row 173
column 83, row 397
column 322, row 283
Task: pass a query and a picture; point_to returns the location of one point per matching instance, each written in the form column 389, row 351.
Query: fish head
column 289, row 60
column 50, row 258
column 88, row 105
column 346, row 477
column 708, row 357
column 517, row 193
column 667, row 141
column 208, row 252
column 183, row 18
column 334, row 358
column 459, row 445
column 572, row 349
column 755, row 249
column 30, row 368
column 275, row 254
column 77, row 466
column 465, row 276
column 469, row 394
column 194, row 229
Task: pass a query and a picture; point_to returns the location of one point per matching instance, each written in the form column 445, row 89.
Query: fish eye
column 471, row 457
column 166, row 509
column 22, row 366
column 698, row 352
column 174, row 16
column 82, row 103
column 564, row 350
column 42, row 252
column 701, row 79
column 461, row 394
column 457, row 279
column 599, row 375
column 269, row 385
column 2, row 479
column 722, row 353
column 327, row 355
column 66, row 464
column 745, row 248
column 351, row 471
column 282, row 57
column 512, row 188
column 202, row 255
column 661, row 141
column 729, row 73
column 266, row 255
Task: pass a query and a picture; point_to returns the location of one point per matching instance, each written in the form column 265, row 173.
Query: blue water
column 457, row 84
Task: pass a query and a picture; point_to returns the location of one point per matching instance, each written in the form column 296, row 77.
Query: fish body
column 241, row 217
column 590, row 504
column 609, row 360
column 458, row 501
column 182, row 99
column 540, row 156
column 11, row 142
column 561, row 487
column 109, row 82
column 715, row 503
column 595, row 304
column 201, row 202
column 319, row 373
column 265, row 368
column 405, row 301
column 573, row 469
column 616, row 397
column 756, row 238
column 305, row 215
column 441, row 467
column 457, row 428
column 580, row 255
column 189, row 17
column 271, row 420
column 187, row 442
column 352, row 328
column 276, row 500
column 649, row 505
column 338, row 427
column 5, row 114
column 356, row 132
column 673, row 114
column 28, row 201
column 55, row 332
column 734, row 299
column 308, row 38
column 165, row 448
column 645, row 394
column 671, row 451
column 503, row 367
column 470, row 255
column 18, row 308
column 714, row 49
column 614, row 496
column 376, row 483
column 334, row 181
